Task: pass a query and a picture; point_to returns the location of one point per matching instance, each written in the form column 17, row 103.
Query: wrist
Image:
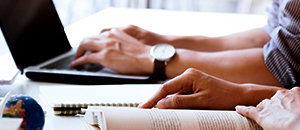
column 254, row 94
column 197, row 43
column 146, row 62
column 158, row 38
column 161, row 53
column 164, row 39
column 177, row 65
column 177, row 41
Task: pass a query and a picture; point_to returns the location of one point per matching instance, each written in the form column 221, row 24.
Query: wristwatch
column 161, row 54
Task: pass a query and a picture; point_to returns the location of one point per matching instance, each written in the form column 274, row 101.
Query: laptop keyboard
column 64, row 64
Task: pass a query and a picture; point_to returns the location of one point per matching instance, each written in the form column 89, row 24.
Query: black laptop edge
column 62, row 77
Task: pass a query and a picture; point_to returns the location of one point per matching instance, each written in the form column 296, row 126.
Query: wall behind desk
column 71, row 11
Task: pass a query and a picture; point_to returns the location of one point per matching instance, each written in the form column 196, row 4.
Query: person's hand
column 116, row 50
column 142, row 35
column 281, row 112
column 197, row 90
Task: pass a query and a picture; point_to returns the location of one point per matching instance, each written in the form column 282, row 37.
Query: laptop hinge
column 21, row 69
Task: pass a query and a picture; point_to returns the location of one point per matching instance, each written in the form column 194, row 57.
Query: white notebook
column 68, row 100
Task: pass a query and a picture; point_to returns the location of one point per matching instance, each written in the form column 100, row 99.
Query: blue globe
column 22, row 106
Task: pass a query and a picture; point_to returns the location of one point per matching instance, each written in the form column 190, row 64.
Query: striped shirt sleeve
column 282, row 52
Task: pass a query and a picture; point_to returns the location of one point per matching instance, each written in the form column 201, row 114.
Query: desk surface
column 163, row 22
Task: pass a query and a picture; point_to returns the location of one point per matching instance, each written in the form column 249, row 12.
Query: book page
column 114, row 118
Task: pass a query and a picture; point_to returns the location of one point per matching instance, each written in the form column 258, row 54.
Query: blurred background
column 73, row 10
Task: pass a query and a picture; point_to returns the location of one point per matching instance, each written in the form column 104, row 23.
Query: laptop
column 41, row 50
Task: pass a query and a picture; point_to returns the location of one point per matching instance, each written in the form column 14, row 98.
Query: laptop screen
column 33, row 31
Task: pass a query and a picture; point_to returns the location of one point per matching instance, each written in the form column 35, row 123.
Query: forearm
column 249, row 39
column 238, row 66
column 255, row 38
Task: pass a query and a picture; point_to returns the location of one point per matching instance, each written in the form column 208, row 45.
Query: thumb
column 250, row 112
column 178, row 101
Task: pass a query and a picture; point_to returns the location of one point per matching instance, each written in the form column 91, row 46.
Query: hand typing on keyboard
column 116, row 50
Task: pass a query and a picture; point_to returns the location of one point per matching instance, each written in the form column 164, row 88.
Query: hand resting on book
column 198, row 90
column 281, row 111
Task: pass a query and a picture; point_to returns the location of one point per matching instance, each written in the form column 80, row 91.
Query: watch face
column 162, row 51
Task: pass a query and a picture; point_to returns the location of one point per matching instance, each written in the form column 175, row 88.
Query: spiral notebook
column 68, row 100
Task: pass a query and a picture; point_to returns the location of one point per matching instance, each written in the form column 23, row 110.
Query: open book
column 126, row 118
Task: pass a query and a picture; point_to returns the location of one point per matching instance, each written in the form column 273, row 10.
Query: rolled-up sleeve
column 282, row 52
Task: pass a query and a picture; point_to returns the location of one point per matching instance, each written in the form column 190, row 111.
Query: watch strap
column 159, row 71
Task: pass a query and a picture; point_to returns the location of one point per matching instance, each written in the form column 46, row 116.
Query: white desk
column 163, row 22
